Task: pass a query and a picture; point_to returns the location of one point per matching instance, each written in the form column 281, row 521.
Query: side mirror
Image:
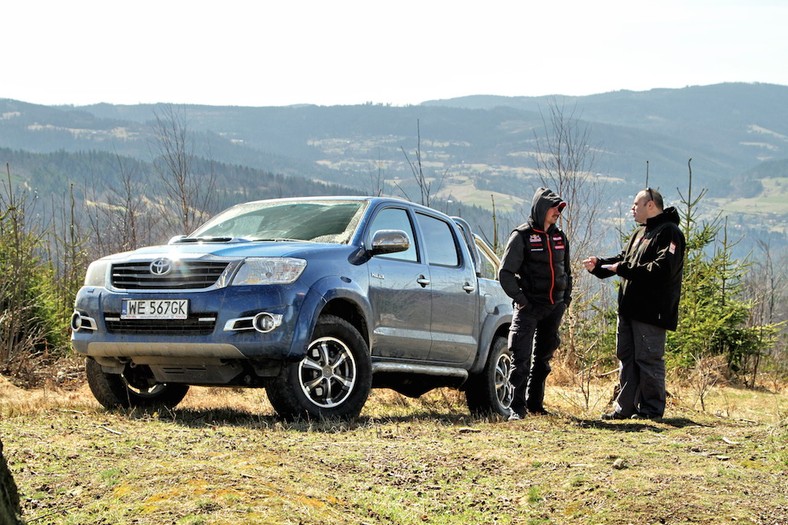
column 389, row 241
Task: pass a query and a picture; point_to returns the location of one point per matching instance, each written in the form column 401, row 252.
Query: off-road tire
column 113, row 391
column 490, row 392
column 333, row 380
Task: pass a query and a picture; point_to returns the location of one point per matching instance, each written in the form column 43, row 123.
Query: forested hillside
column 96, row 175
column 727, row 129
column 475, row 152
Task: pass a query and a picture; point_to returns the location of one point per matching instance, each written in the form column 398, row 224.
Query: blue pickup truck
column 316, row 299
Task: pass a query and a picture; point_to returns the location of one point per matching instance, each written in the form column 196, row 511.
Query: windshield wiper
column 209, row 239
column 279, row 239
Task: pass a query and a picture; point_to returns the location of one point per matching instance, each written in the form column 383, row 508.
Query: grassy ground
column 222, row 458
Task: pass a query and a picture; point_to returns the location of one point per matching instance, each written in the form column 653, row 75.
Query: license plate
column 154, row 309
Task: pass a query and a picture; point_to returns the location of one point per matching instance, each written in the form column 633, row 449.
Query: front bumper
column 220, row 325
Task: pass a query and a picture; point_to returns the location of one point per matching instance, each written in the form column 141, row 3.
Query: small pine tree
column 30, row 324
column 713, row 312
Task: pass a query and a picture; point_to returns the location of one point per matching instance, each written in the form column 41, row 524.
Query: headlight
column 96, row 274
column 269, row 270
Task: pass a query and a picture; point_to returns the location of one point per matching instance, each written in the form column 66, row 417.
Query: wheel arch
column 337, row 296
column 351, row 312
column 494, row 326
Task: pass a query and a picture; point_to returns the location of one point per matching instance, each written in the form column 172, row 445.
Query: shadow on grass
column 680, row 422
column 638, row 425
column 227, row 416
column 198, row 417
column 214, row 417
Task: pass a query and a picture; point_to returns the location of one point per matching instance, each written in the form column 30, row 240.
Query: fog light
column 265, row 322
column 76, row 321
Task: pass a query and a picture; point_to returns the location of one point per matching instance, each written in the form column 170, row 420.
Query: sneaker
column 515, row 414
column 613, row 415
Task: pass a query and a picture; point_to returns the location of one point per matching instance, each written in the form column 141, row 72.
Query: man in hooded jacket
column 536, row 274
column 651, row 269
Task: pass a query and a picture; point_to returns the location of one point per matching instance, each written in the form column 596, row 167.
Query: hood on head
column 544, row 199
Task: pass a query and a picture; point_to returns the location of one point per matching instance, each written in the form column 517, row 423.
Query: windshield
column 317, row 221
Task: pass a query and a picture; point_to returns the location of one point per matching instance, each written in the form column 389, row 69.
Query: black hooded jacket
column 651, row 268
column 535, row 265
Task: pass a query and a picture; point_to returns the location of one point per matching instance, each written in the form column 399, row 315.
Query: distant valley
column 474, row 151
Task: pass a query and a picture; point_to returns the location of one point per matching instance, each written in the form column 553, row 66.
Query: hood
column 672, row 214
column 229, row 250
column 668, row 215
column 544, row 199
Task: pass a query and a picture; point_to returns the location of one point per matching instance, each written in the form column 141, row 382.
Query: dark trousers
column 533, row 339
column 640, row 348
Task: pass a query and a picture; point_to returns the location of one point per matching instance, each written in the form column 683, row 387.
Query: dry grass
column 223, row 458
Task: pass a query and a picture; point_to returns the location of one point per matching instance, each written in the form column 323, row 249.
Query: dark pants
column 640, row 348
column 533, row 339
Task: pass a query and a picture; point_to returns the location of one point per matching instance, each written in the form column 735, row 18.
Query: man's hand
column 590, row 263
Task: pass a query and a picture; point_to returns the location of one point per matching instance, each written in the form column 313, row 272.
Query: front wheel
column 133, row 388
column 333, row 380
column 491, row 391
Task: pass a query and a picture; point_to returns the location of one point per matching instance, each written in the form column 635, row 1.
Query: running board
column 428, row 370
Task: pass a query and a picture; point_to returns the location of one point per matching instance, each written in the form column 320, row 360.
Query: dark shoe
column 538, row 411
column 613, row 415
column 650, row 417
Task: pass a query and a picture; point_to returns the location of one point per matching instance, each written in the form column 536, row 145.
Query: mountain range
column 474, row 150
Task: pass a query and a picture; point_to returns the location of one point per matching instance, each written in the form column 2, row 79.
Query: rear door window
column 439, row 241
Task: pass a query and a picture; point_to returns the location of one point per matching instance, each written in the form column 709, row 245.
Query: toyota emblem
column 161, row 266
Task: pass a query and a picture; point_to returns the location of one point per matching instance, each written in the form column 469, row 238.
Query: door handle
column 423, row 281
column 468, row 287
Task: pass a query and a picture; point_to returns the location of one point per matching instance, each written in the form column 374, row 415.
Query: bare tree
column 496, row 244
column 121, row 217
column 707, row 372
column 423, row 182
column 564, row 163
column 130, row 204
column 66, row 252
column 765, row 288
column 190, row 194
column 376, row 178
column 766, row 285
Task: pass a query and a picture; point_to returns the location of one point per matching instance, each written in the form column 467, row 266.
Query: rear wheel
column 491, row 391
column 333, row 380
column 133, row 388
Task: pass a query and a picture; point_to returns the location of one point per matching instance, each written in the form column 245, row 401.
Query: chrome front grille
column 183, row 275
